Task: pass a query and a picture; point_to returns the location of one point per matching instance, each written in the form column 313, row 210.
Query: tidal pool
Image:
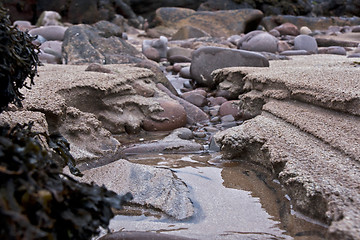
column 232, row 199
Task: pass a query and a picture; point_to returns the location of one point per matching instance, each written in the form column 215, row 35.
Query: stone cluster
column 196, row 73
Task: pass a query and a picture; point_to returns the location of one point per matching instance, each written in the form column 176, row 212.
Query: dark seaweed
column 18, row 61
column 38, row 201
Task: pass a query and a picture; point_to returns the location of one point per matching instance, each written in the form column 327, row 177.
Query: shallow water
column 233, row 200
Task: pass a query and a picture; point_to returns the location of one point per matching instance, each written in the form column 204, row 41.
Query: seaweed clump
column 37, row 200
column 19, row 61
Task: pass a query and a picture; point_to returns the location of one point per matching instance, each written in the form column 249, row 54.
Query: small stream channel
column 232, row 199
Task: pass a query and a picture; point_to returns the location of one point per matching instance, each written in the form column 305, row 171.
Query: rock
column 173, row 116
column 207, row 59
column 258, row 41
column 354, row 55
column 231, row 83
column 179, row 59
column 150, row 186
column 216, row 101
column 290, row 150
column 217, row 24
column 160, row 76
column 288, row 29
column 155, row 49
column 148, row 7
column 275, row 33
column 234, row 39
column 342, row 40
column 230, row 108
column 151, row 53
column 48, row 58
column 193, row 113
column 49, row 18
column 23, row 25
column 98, row 43
column 305, row 30
column 333, row 50
column 195, row 98
column 214, row 5
column 294, row 52
column 50, row 33
column 356, row 29
column 53, row 47
column 314, row 23
column 305, row 42
column 173, row 143
column 283, row 46
column 21, row 117
column 141, row 235
column 302, row 135
column 185, row 72
column 187, row 32
column 312, row 79
column 89, row 107
column 180, row 52
column 94, row 67
column 88, row 138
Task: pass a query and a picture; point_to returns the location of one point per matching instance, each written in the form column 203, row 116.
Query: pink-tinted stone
column 288, row 29
column 173, row 116
column 230, row 108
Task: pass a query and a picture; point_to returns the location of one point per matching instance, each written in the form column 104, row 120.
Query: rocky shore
column 281, row 92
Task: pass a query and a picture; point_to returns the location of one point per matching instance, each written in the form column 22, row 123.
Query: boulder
column 187, row 32
column 302, row 135
column 151, row 187
column 98, row 43
column 217, row 24
column 88, row 107
column 258, row 41
column 207, row 59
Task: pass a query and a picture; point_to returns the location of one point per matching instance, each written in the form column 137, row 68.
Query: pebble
column 155, row 49
column 173, row 116
column 185, row 72
column 295, row 52
column 333, row 50
column 258, row 41
column 229, row 108
column 305, row 30
column 288, row 29
column 305, row 42
column 50, row 33
column 199, row 134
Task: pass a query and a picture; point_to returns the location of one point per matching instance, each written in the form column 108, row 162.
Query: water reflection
column 233, row 200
